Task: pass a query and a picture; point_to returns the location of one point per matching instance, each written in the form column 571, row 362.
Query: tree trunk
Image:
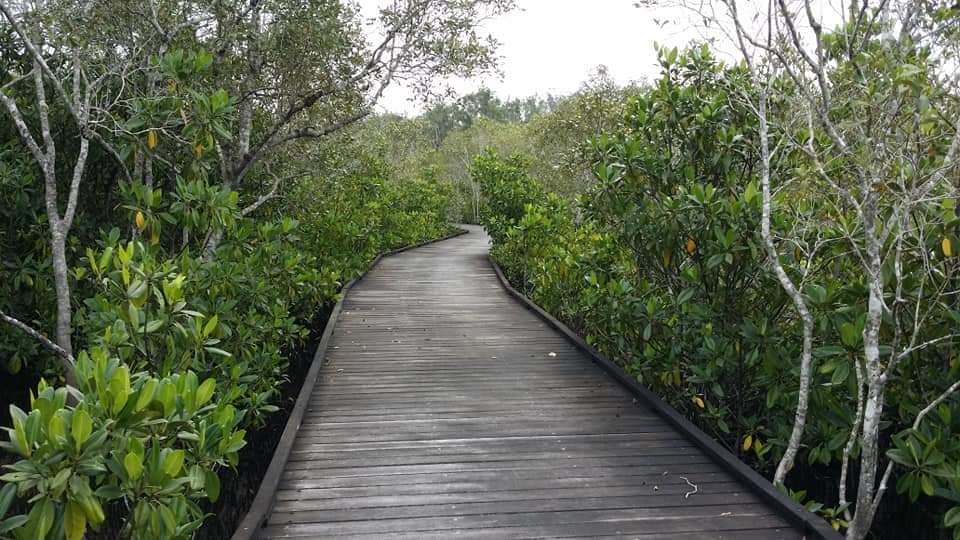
column 64, row 309
column 873, row 406
column 872, row 415
column 788, row 286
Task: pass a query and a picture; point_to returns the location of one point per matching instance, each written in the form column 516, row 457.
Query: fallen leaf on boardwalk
column 552, row 354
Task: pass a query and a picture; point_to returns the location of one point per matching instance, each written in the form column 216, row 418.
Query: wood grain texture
column 446, row 409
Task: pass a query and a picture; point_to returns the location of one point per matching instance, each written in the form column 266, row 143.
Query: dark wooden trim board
column 264, row 500
column 809, row 523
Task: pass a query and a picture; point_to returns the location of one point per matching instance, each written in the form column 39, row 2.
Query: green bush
column 662, row 267
column 155, row 443
column 142, row 427
column 508, row 190
column 26, row 283
column 183, row 340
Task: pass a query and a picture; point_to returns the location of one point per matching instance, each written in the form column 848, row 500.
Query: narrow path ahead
column 448, row 409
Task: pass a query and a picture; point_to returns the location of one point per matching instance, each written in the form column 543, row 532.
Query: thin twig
column 691, row 484
column 39, row 336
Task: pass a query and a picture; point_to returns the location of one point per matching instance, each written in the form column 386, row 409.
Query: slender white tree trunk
column 787, row 284
column 62, row 285
column 875, row 380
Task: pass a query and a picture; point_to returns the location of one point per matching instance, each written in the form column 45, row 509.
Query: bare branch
column 78, row 116
column 39, row 336
column 786, row 283
column 22, row 128
column 269, row 194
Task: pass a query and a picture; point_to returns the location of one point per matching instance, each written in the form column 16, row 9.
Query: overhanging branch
column 39, row 336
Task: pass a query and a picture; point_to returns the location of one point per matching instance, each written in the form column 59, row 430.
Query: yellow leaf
column 947, row 247
column 74, row 521
column 698, row 402
column 747, row 442
column 691, row 246
column 757, row 446
column 198, row 150
column 140, row 220
column 151, row 139
column 667, row 257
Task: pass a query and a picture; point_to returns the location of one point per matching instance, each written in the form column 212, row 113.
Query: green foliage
column 446, row 118
column 661, row 266
column 559, row 139
column 676, row 191
column 186, row 354
column 154, row 443
column 183, row 347
column 26, row 284
column 508, row 191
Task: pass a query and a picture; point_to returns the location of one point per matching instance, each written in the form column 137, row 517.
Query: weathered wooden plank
column 322, row 435
column 477, row 482
column 664, row 463
column 703, row 516
column 496, row 527
column 511, row 533
column 467, row 447
column 641, row 493
column 504, row 476
column 708, row 502
column 405, row 457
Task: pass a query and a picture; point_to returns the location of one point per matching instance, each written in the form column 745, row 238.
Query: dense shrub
column 26, row 284
column 508, row 191
column 185, row 309
column 661, row 266
column 184, row 353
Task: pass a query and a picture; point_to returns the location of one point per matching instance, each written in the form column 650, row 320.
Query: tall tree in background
column 561, row 139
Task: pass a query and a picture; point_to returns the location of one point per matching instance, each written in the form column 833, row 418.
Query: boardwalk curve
column 445, row 408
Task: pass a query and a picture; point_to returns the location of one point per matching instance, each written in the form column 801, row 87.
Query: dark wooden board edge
column 263, row 502
column 808, row 522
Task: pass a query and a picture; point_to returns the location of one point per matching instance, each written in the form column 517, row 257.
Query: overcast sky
column 552, row 46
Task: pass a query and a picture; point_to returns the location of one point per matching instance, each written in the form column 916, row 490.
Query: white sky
column 552, row 46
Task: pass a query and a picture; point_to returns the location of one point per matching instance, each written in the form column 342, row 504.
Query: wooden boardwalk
column 447, row 409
